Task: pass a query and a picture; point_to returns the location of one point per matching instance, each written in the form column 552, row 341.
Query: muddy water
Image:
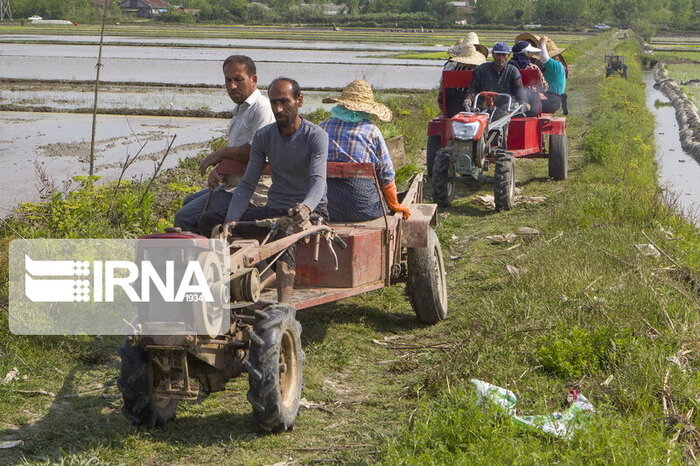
column 678, row 172
column 312, row 68
column 60, row 145
column 203, row 54
column 66, row 97
column 247, row 43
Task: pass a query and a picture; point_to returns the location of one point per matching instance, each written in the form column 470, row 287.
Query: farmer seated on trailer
column 498, row 76
column 463, row 56
column 251, row 112
column 296, row 151
column 353, row 138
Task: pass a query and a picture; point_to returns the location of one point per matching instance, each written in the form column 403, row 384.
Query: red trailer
column 263, row 338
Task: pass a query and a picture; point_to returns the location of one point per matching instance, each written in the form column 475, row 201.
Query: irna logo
column 96, row 281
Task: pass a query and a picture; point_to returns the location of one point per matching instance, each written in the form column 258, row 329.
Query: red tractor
column 492, row 132
column 246, row 330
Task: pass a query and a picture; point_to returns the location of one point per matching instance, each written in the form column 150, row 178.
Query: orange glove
column 392, row 200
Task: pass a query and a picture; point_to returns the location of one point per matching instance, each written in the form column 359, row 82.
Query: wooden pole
column 97, row 84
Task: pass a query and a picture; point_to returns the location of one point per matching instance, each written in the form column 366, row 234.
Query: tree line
column 402, row 13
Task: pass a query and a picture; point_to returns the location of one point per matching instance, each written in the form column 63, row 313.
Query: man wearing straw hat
column 353, row 138
column 470, row 39
column 464, row 56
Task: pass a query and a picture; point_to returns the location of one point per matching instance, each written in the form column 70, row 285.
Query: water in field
column 233, row 43
column 678, row 171
column 59, row 143
column 312, row 68
column 67, row 97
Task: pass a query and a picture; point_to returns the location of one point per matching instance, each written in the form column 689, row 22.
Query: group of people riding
column 268, row 131
column 539, row 54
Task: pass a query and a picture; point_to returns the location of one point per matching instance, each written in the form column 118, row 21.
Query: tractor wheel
column 275, row 368
column 431, row 150
column 135, row 382
column 558, row 156
column 426, row 284
column 504, row 181
column 443, row 179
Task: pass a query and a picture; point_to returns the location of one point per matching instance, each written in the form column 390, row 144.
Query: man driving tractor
column 296, row 151
column 497, row 76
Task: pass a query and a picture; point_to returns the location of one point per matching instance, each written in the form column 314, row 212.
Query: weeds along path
column 578, row 307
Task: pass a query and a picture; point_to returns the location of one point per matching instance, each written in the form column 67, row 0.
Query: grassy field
column 582, row 308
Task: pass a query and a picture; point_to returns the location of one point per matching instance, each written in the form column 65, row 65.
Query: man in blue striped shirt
column 353, row 138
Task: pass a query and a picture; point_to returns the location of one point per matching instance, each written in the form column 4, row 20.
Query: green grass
column 663, row 55
column 585, row 307
column 588, row 311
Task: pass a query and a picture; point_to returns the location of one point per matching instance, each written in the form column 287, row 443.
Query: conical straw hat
column 358, row 97
column 467, row 54
column 472, row 38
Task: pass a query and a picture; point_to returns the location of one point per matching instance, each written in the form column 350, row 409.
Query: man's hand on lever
column 225, row 229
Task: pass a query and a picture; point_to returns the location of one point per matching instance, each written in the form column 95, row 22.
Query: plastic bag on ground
column 560, row 424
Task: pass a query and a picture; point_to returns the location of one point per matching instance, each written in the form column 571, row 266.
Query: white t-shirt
column 249, row 117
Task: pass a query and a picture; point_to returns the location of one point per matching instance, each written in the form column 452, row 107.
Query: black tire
column 443, row 180
column 136, row 385
column 426, row 285
column 275, row 368
column 430, row 151
column 504, row 181
column 558, row 156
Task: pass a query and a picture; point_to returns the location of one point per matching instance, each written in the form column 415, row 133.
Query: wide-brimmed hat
column 472, row 38
column 358, row 97
column 552, row 48
column 467, row 54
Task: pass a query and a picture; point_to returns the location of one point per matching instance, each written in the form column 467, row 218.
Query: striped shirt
column 360, row 142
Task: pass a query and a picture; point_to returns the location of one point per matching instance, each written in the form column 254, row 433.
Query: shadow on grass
column 76, row 426
column 316, row 321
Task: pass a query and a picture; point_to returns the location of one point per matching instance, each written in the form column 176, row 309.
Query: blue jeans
column 195, row 205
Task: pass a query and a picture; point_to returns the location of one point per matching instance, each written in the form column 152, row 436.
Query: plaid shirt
column 360, row 142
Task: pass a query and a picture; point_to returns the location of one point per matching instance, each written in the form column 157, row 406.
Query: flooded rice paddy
column 312, row 68
column 73, row 97
column 678, row 171
column 59, row 143
column 233, row 43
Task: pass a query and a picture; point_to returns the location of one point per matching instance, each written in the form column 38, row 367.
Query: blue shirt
column 360, row 142
column 555, row 74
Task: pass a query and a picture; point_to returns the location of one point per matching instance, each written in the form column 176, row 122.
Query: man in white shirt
column 252, row 112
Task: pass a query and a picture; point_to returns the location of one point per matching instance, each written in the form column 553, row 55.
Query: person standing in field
column 251, row 112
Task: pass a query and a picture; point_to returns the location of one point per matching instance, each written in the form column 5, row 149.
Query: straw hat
column 552, row 49
column 358, row 97
column 467, row 54
column 472, row 38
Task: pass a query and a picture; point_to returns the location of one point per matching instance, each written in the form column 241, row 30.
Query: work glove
column 392, row 200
